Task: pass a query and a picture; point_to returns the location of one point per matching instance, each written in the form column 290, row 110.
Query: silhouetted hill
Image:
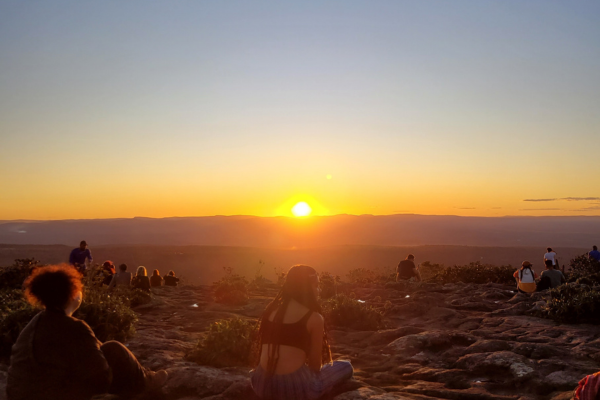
column 282, row 232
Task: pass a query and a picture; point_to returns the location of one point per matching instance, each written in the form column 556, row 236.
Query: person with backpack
column 526, row 278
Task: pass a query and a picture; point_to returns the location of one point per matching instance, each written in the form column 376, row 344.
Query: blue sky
column 201, row 108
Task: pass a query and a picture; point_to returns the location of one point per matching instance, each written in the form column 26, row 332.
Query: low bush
column 342, row 310
column 328, row 285
column 13, row 277
column 476, row 273
column 231, row 289
column 584, row 270
column 429, row 270
column 367, row 276
column 228, row 343
column 573, row 303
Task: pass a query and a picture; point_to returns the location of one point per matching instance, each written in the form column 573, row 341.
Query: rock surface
column 456, row 341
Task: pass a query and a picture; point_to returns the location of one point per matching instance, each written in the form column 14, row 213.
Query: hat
column 526, row 264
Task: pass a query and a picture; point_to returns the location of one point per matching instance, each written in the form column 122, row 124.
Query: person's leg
column 331, row 375
column 129, row 377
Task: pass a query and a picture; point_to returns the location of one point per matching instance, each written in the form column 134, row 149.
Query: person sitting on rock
column 550, row 278
column 58, row 357
column 406, row 269
column 121, row 278
column 171, row 279
column 292, row 343
column 108, row 270
column 156, row 279
column 140, row 280
column 526, row 278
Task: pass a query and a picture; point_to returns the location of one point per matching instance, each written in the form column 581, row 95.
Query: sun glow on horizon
column 301, row 209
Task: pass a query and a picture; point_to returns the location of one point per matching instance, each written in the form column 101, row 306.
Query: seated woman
column 293, row 343
column 140, row 280
column 171, row 279
column 525, row 278
column 156, row 279
column 121, row 278
column 57, row 356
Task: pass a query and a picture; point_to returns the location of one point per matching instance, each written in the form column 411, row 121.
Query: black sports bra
column 294, row 335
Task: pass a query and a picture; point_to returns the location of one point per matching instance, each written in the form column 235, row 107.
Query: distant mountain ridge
column 284, row 232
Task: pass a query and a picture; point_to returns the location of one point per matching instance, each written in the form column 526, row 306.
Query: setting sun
column 301, row 209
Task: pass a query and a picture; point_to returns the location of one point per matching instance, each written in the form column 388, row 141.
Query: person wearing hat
column 526, row 278
column 550, row 278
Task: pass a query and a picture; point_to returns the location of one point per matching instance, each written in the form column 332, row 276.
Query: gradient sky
column 189, row 108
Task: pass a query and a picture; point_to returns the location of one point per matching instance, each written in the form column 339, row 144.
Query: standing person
column 121, row 278
column 292, row 342
column 108, row 270
column 594, row 254
column 140, row 280
column 58, row 357
column 171, row 279
column 525, row 278
column 406, row 269
column 551, row 255
column 79, row 255
column 550, row 278
column 156, row 279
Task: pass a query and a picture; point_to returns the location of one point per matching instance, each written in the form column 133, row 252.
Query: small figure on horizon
column 551, row 255
column 156, row 279
column 108, row 270
column 406, row 269
column 171, row 279
column 121, row 278
column 57, row 356
column 550, row 278
column 140, row 280
column 295, row 358
column 79, row 256
column 525, row 278
column 594, row 254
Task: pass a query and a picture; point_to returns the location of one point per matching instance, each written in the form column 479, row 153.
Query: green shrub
column 231, row 289
column 429, row 270
column 476, row 273
column 367, row 276
column 228, row 343
column 12, row 277
column 341, row 310
column 584, row 270
column 328, row 285
column 573, row 303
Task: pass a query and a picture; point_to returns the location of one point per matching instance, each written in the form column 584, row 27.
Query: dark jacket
column 171, row 280
column 57, row 357
column 141, row 282
column 156, row 280
column 406, row 269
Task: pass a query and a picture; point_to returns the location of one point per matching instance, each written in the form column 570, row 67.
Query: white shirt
column 550, row 256
column 528, row 277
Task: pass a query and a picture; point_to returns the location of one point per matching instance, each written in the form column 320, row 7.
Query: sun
column 301, row 209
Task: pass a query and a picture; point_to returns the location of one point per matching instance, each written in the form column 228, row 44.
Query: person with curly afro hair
column 58, row 356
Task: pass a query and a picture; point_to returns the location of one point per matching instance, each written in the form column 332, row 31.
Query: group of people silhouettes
column 81, row 258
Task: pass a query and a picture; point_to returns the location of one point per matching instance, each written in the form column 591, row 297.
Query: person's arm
column 316, row 328
column 89, row 255
column 417, row 273
column 113, row 281
column 89, row 365
column 562, row 278
column 72, row 258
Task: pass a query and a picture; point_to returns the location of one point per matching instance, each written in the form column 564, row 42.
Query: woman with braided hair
column 292, row 343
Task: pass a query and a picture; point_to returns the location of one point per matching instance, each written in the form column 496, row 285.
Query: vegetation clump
column 476, row 273
column 368, row 276
column 231, row 289
column 584, row 270
column 342, row 310
column 228, row 343
column 573, row 303
column 328, row 285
